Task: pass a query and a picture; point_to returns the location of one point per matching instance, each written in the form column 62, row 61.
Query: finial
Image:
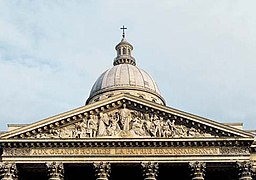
column 123, row 28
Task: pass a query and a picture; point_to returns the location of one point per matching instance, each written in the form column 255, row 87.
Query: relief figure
column 103, row 124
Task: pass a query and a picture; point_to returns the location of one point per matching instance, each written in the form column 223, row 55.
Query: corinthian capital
column 102, row 170
column 8, row 171
column 197, row 170
column 150, row 170
column 55, row 171
column 245, row 171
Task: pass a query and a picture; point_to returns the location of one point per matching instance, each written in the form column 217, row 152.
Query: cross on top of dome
column 123, row 28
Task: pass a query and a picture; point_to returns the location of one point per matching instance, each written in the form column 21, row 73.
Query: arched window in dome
column 129, row 52
column 124, row 50
column 119, row 51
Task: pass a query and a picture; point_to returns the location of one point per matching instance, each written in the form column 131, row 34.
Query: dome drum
column 124, row 60
column 136, row 91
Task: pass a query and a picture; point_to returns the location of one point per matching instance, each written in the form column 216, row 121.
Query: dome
column 125, row 78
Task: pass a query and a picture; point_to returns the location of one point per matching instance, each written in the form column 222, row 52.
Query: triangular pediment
column 125, row 116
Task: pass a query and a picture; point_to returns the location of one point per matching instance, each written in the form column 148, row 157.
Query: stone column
column 102, row 170
column 150, row 170
column 55, row 171
column 8, row 171
column 245, row 171
column 197, row 170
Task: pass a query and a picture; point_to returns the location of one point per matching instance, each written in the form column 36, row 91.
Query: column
column 197, row 170
column 244, row 170
column 8, row 171
column 55, row 171
column 102, row 170
column 150, row 170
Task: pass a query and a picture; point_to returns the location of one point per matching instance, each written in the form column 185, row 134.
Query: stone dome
column 125, row 78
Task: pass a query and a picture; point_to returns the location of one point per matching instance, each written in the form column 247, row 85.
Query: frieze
column 123, row 151
column 124, row 123
column 234, row 150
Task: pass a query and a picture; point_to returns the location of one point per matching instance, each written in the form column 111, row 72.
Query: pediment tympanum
column 124, row 122
column 128, row 117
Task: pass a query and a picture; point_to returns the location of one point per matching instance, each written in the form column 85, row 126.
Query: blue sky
column 201, row 53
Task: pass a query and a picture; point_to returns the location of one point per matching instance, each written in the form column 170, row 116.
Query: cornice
column 118, row 142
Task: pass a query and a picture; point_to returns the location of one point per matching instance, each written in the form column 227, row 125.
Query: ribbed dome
column 125, row 78
column 124, row 75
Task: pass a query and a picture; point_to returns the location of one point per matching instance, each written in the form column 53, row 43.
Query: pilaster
column 150, row 170
column 8, row 171
column 55, row 171
column 197, row 170
column 102, row 170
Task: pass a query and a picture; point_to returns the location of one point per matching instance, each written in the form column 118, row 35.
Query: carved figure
column 166, row 130
column 92, row 126
column 157, row 126
column 113, row 128
column 125, row 118
column 124, row 123
column 103, row 124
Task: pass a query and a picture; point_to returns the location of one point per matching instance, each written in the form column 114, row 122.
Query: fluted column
column 102, row 170
column 244, row 170
column 197, row 170
column 8, row 171
column 55, row 171
column 150, row 170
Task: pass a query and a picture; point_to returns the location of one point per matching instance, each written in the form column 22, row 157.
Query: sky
column 201, row 53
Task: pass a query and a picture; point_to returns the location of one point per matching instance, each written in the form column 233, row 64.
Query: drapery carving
column 124, row 123
column 102, row 170
column 245, row 171
column 150, row 170
column 197, row 170
column 55, row 171
column 8, row 171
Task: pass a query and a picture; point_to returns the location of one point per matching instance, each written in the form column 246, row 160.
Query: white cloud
column 51, row 52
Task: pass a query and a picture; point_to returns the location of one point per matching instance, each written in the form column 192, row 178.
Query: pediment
column 125, row 116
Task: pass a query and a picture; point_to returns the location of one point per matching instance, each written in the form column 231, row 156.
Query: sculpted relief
column 124, row 123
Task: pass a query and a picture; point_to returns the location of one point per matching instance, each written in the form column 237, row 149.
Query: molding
column 123, row 142
column 132, row 102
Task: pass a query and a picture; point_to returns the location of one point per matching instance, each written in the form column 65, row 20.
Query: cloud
column 201, row 54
